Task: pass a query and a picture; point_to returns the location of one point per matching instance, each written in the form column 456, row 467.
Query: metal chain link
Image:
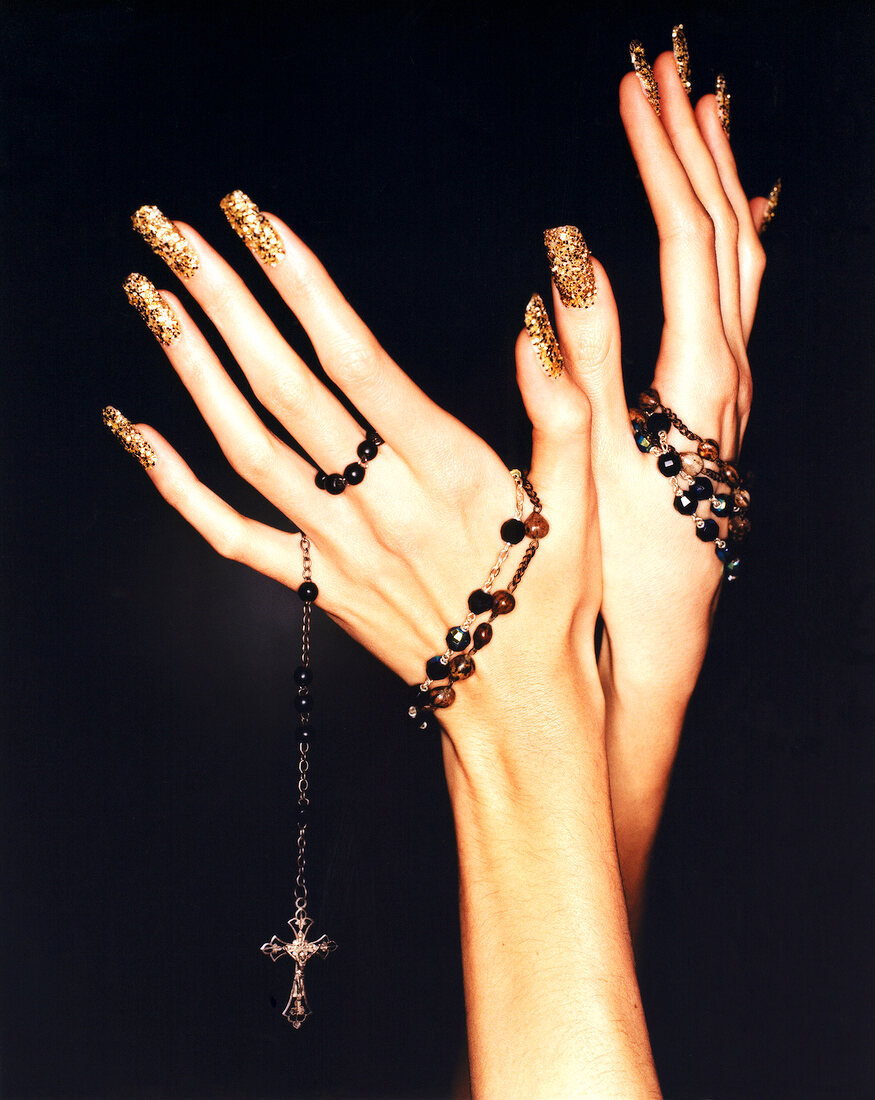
column 303, row 748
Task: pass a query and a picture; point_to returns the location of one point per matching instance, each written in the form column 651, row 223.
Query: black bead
column 303, row 676
column 701, row 488
column 367, row 450
column 354, row 474
column 335, row 484
column 658, row 422
column 643, row 442
column 321, row 480
column 480, row 601
column 685, row 504
column 513, row 531
column 303, row 703
column 435, row 669
column 308, row 592
column 304, row 733
column 708, row 531
column 721, row 505
column 458, row 639
column 669, row 463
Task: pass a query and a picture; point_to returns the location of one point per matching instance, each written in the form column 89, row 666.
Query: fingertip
column 758, row 207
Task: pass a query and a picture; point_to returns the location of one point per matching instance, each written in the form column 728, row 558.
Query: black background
column 148, row 778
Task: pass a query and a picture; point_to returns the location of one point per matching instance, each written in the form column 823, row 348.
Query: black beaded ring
column 354, row 474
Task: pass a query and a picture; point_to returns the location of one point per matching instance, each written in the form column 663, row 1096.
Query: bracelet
column 354, row 473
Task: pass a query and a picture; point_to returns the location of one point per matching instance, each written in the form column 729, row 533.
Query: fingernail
column 162, row 236
column 645, row 74
column 155, row 311
column 543, row 338
column 723, row 98
column 571, row 266
column 132, row 441
column 681, row 55
column 253, row 228
column 771, row 205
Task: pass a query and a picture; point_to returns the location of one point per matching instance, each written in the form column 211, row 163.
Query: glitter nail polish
column 645, row 74
column 723, row 98
column 162, row 236
column 132, row 441
column 154, row 310
column 681, row 55
column 571, row 266
column 253, row 228
column 771, row 205
column 543, row 338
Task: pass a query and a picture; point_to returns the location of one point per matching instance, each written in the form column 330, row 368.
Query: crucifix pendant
column 301, row 950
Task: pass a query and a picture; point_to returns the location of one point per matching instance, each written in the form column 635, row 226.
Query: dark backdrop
column 149, row 803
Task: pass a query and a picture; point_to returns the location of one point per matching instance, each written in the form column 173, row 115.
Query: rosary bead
column 685, row 504
column 321, row 480
column 308, row 592
column 721, row 504
column 702, row 488
column 709, row 450
column 367, row 450
column 731, row 476
column 708, row 531
column 442, row 697
column 354, row 474
column 643, row 442
column 303, row 676
column 658, row 422
column 741, row 498
column 669, row 463
column 462, row 667
column 691, row 463
column 436, row 669
column 739, row 526
column 513, row 531
column 303, row 703
column 480, row 601
column 482, row 635
column 649, row 399
column 502, row 603
column 335, row 484
column 458, row 639
column 537, row 526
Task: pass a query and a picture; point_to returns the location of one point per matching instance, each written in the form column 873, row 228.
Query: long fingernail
column 543, row 338
column 162, row 236
column 645, row 74
column 132, row 441
column 571, row 266
column 155, row 311
column 723, row 98
column 771, row 205
column 253, row 228
column 681, row 55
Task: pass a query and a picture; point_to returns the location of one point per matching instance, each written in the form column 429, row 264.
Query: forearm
column 552, row 1000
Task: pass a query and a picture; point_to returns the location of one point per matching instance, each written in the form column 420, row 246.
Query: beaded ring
column 692, row 480
column 354, row 473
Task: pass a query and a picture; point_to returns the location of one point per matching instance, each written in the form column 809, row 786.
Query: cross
column 301, row 950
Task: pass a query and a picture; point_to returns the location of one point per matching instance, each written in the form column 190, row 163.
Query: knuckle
column 692, row 226
column 284, row 395
column 223, row 301
column 726, row 223
column 357, row 363
column 753, row 255
column 229, row 542
column 255, row 461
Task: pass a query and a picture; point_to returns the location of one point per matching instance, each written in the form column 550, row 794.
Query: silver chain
column 303, row 749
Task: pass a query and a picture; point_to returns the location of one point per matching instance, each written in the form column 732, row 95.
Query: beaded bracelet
column 692, row 480
column 456, row 662
column 354, row 473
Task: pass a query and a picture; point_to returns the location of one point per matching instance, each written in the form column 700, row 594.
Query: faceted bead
column 335, row 484
column 701, row 488
column 725, row 552
column 739, row 526
column 303, row 676
column 303, row 703
column 308, row 592
column 480, row 601
column 741, row 497
column 730, row 476
column 537, row 526
column 732, row 567
column 649, row 399
column 417, row 697
column 321, row 480
column 709, row 450
column 708, row 530
column 643, row 442
column 436, row 669
column 513, row 531
column 442, row 697
column 482, row 635
column 458, row 639
column 462, row 667
column 721, row 504
column 502, row 603
column 685, row 504
column 367, row 450
column 692, row 464
column 669, row 463
column 354, row 474
column 658, row 422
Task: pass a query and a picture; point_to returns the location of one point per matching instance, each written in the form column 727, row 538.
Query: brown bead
column 482, row 635
column 649, row 399
column 502, row 603
column 691, row 464
column 730, row 475
column 637, row 418
column 442, row 697
column 739, row 526
column 709, row 449
column 741, row 497
column 462, row 667
column 537, row 526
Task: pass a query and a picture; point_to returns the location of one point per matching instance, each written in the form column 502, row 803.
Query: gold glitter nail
column 543, row 338
column 681, row 55
column 155, row 311
column 253, row 228
column 162, row 236
column 645, row 74
column 771, row 205
column 723, row 98
column 132, row 441
column 570, row 263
